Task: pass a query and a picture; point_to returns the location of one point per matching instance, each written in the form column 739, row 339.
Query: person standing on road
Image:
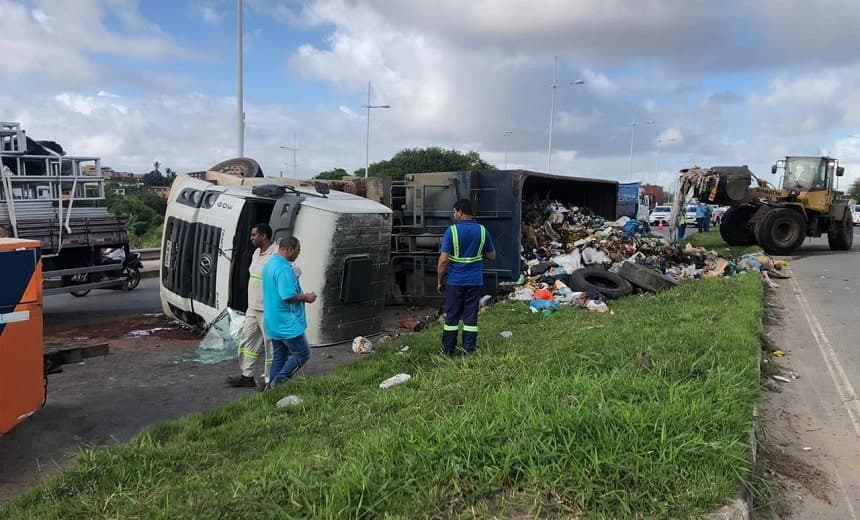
column 284, row 316
column 700, row 216
column 460, row 276
column 253, row 334
column 682, row 224
column 708, row 212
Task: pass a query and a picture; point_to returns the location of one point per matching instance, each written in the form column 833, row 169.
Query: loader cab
column 804, row 174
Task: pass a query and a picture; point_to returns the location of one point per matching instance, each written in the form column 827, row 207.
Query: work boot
column 241, row 381
column 261, row 384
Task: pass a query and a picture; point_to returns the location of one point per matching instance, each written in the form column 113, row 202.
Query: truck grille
column 190, row 260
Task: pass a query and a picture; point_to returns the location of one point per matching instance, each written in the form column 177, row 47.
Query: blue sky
column 741, row 82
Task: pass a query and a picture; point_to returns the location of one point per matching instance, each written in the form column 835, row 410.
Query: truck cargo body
column 424, row 203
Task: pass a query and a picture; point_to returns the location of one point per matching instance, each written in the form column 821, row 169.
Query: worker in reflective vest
column 460, row 276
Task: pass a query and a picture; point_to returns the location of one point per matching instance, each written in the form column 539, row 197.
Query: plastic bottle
column 395, row 380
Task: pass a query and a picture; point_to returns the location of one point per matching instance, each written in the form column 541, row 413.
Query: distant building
column 161, row 191
column 656, row 194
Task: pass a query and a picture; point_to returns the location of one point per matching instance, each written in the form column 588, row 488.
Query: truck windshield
column 804, row 173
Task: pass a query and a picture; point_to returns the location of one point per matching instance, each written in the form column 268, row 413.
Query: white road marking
column 837, row 374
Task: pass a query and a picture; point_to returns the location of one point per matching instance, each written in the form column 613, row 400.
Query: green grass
column 712, row 241
column 642, row 414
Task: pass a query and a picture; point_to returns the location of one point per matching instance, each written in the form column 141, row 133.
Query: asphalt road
column 813, row 423
column 63, row 311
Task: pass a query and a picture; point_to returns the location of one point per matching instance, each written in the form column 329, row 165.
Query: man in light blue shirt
column 284, row 312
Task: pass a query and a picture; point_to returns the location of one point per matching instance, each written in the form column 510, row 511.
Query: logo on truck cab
column 225, row 205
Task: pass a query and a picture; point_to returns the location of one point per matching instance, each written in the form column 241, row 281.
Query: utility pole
column 240, row 116
column 368, row 106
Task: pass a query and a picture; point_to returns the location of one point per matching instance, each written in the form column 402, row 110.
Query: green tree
column 854, row 191
column 422, row 160
column 332, row 175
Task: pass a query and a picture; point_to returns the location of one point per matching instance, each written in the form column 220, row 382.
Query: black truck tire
column 240, row 167
column 734, row 227
column 781, row 231
column 841, row 235
column 608, row 283
column 643, row 277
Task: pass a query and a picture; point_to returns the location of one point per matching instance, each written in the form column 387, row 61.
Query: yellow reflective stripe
column 256, row 277
column 248, row 353
column 455, row 239
column 470, row 328
column 450, row 328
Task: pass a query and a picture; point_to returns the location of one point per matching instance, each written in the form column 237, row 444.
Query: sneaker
column 241, row 382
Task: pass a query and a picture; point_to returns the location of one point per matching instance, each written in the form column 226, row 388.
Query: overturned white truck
column 206, row 249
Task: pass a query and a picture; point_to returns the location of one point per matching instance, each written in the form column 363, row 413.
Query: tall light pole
column 293, row 149
column 552, row 112
column 508, row 133
column 368, row 106
column 240, row 109
column 633, row 126
column 657, row 166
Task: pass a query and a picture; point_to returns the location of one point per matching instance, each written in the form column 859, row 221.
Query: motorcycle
column 130, row 271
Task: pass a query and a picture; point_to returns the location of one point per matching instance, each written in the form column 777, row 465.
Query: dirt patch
column 147, row 326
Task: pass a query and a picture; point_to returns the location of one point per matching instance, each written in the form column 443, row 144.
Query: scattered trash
column 146, row 332
column 485, row 300
column 596, row 306
column 541, row 305
column 395, row 380
column 290, row 400
column 807, row 448
column 362, row 345
column 506, row 334
column 781, row 379
column 403, row 350
column 413, row 325
column 777, row 353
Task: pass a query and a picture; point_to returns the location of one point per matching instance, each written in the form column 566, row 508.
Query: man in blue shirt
column 464, row 247
column 284, row 312
column 700, row 216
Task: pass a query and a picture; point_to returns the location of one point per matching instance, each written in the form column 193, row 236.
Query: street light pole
column 552, row 112
column 240, row 109
column 293, row 149
column 633, row 126
column 368, row 106
column 509, row 132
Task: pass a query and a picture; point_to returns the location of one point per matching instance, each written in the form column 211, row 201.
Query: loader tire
column 608, row 283
column 734, row 227
column 781, row 231
column 841, row 235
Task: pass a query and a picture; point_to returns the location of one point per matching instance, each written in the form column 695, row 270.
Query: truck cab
column 206, row 251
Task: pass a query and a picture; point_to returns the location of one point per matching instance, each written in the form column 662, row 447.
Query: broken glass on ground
column 221, row 341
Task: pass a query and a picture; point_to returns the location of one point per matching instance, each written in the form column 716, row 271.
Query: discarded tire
column 240, row 167
column 734, row 227
column 643, row 277
column 609, row 284
column 781, row 231
column 841, row 236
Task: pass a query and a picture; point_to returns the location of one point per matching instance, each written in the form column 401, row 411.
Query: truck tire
column 608, row 283
column 643, row 277
column 781, row 231
column 734, row 228
column 240, row 167
column 841, row 235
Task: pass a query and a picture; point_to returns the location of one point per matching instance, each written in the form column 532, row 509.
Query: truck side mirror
column 840, row 171
column 773, row 169
column 322, row 188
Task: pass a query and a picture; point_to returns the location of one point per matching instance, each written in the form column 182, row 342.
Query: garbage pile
column 570, row 256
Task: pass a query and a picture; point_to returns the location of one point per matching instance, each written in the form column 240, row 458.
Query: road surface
column 811, row 429
column 64, row 310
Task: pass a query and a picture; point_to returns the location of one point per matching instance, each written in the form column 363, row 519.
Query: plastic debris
column 506, row 334
column 290, row 400
column 485, row 299
column 395, row 380
column 781, row 379
column 413, row 325
column 362, row 345
column 777, row 353
column 403, row 350
column 807, row 448
column 221, row 341
column 596, row 306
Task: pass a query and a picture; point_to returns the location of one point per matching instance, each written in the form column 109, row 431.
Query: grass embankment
column 713, row 242
column 645, row 413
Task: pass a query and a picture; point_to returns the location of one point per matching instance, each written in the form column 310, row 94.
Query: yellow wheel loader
column 778, row 218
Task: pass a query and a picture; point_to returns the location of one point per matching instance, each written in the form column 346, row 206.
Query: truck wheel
column 240, row 167
column 734, row 228
column 608, row 283
column 781, row 231
column 840, row 237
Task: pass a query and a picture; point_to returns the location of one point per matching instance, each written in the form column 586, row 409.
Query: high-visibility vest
column 455, row 239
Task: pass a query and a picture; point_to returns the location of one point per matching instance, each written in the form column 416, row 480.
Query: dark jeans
column 288, row 356
column 700, row 224
column 461, row 303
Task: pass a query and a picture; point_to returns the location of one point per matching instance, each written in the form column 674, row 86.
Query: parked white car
column 659, row 214
column 856, row 214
